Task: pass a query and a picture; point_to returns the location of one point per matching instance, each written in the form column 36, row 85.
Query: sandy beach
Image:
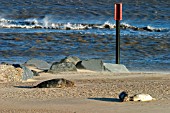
column 62, row 40
column 94, row 92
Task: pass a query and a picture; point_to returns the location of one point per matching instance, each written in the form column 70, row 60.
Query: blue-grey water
column 53, row 29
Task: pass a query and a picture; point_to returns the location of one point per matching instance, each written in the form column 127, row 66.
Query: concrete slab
column 116, row 68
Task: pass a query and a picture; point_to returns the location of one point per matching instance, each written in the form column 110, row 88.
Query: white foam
column 74, row 26
column 154, row 28
column 32, row 20
column 127, row 25
column 110, row 24
column 48, row 23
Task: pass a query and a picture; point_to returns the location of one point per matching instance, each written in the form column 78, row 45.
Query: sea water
column 53, row 29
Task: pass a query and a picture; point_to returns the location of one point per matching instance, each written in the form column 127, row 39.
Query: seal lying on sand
column 123, row 96
column 55, row 83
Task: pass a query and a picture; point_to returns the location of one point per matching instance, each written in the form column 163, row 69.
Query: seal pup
column 55, row 83
column 141, row 97
column 123, row 96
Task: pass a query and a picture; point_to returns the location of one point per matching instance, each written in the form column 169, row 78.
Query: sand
column 94, row 92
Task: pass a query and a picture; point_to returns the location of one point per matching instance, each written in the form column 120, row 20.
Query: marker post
column 118, row 17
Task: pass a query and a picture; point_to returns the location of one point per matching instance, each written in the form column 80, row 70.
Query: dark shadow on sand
column 106, row 99
column 24, row 87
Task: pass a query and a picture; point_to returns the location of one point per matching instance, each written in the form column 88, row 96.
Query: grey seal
column 55, row 83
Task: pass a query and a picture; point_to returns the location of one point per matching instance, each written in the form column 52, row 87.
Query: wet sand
column 94, row 92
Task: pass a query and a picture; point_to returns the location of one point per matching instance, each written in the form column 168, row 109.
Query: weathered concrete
column 40, row 64
column 72, row 59
column 91, row 64
column 62, row 67
column 116, row 68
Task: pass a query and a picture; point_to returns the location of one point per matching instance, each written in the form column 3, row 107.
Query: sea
column 51, row 30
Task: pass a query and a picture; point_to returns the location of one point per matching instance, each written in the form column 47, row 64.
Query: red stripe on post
column 118, row 11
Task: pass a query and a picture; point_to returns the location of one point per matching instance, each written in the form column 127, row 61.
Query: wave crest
column 46, row 24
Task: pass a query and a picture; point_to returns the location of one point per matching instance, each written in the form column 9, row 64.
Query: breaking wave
column 45, row 24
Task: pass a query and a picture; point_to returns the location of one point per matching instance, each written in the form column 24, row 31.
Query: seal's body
column 55, row 83
column 141, row 97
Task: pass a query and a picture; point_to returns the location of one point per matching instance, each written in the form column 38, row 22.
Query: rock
column 55, row 83
column 91, row 64
column 72, row 59
column 27, row 73
column 116, row 68
column 14, row 73
column 40, row 64
column 5, row 63
column 35, row 73
column 8, row 73
column 107, row 26
column 147, row 29
column 62, row 67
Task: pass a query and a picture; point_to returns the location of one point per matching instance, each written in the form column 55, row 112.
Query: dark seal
column 55, row 83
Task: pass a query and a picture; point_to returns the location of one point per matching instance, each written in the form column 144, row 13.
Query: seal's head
column 69, row 83
column 123, row 96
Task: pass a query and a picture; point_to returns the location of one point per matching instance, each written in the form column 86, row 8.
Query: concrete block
column 40, row 64
column 117, row 68
column 91, row 64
